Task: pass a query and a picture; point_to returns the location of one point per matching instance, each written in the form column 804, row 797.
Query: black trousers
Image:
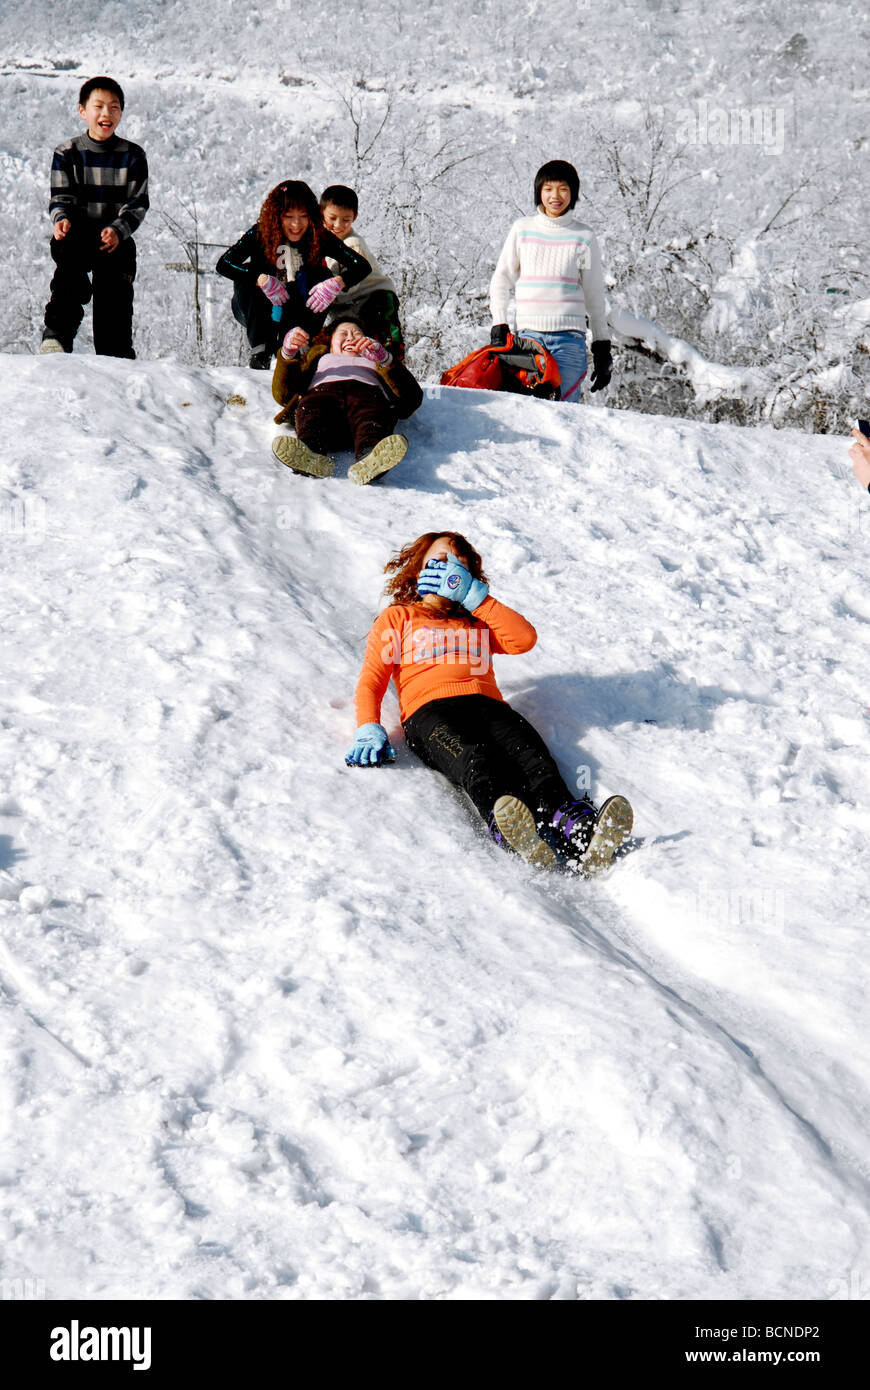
column 344, row 415
column 84, row 269
column 489, row 750
column 253, row 311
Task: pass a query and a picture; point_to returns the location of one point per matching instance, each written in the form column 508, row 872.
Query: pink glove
column 323, row 294
column 376, row 353
column 294, row 341
column 274, row 290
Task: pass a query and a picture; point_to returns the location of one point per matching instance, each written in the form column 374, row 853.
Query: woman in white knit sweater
column 552, row 264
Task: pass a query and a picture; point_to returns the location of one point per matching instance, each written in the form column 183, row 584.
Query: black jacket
column 246, row 261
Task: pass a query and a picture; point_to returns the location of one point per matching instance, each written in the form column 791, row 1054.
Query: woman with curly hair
column 436, row 640
column 280, row 272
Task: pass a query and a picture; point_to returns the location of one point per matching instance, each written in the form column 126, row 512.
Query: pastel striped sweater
column 553, row 266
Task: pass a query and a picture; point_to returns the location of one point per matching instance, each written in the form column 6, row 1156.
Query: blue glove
column 450, row 579
column 277, row 312
column 371, row 747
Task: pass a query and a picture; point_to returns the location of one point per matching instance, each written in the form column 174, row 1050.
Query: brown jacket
column 291, row 380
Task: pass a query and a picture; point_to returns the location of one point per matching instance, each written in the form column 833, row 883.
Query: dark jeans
column 344, row 415
column 488, row 750
column 76, row 257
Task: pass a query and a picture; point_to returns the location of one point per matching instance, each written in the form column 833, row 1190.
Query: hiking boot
column 512, row 824
column 260, row 361
column 384, row 456
column 612, row 827
column 291, row 451
column 51, row 345
column 572, row 828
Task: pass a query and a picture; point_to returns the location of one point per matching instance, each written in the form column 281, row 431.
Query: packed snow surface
column 274, row 1028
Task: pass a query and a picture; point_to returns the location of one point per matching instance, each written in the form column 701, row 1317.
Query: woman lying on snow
column 436, row 640
column 342, row 391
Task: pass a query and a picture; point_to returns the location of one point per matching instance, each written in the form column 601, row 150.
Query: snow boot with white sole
column 297, row 456
column 513, row 824
column 384, row 456
column 612, row 827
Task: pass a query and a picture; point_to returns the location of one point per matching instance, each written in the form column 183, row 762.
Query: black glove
column 498, row 335
column 603, row 368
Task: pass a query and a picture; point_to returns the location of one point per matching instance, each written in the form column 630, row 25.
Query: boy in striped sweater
column 553, row 266
column 99, row 196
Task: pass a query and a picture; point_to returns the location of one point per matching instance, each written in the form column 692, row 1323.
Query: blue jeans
column 569, row 349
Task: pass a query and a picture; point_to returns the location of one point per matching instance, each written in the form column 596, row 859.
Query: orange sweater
column 432, row 658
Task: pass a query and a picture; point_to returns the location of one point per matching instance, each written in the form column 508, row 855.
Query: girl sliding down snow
column 342, row 391
column 436, row 640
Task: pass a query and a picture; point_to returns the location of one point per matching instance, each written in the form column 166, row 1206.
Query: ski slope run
column 274, row 1028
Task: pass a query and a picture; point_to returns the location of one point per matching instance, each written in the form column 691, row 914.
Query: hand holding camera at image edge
column 860, row 456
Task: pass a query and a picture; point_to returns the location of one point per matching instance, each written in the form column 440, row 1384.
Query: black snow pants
column 489, row 750
column 85, row 270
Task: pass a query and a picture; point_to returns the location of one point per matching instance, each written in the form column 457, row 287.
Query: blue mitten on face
column 450, row 579
column 371, row 747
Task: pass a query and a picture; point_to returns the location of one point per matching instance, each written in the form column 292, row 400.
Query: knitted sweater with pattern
column 553, row 266
column 105, row 181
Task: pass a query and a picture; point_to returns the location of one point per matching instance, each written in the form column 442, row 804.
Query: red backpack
column 522, row 365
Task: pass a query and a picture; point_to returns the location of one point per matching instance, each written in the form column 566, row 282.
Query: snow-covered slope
column 273, row 1028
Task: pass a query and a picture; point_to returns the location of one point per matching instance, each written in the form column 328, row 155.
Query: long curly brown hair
column 287, row 197
column 405, row 566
